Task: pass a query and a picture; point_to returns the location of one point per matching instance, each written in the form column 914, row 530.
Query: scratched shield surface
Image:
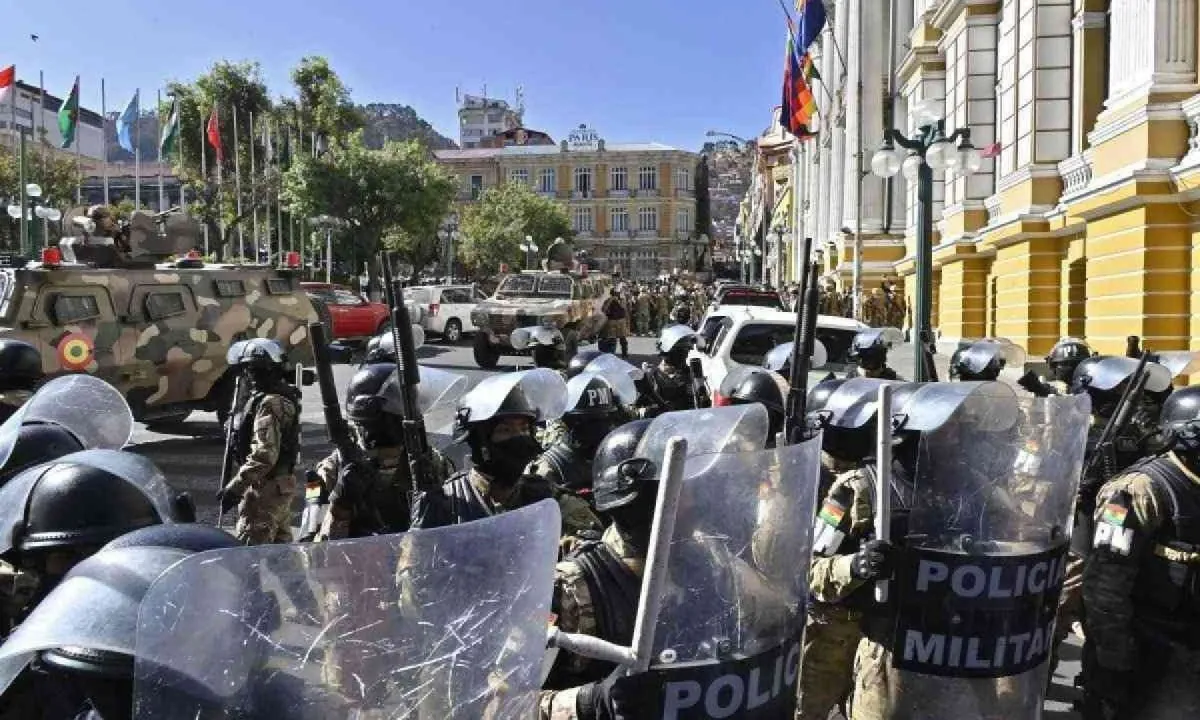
column 449, row 622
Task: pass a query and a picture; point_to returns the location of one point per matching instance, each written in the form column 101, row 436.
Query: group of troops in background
column 1132, row 585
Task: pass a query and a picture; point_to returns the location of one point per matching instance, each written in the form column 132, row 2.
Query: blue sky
column 636, row 70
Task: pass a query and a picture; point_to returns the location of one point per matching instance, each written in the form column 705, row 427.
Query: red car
column 347, row 315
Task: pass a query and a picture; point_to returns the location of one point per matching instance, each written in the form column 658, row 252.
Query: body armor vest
column 574, row 473
column 289, row 437
column 1167, row 593
column 465, row 502
column 614, row 589
column 675, row 393
column 863, row 598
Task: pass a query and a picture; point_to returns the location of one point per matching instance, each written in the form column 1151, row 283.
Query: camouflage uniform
column 1136, row 586
column 391, row 463
column 641, row 316
column 662, row 305
column 894, row 309
column 830, row 302
column 577, row 512
column 575, row 613
column 265, row 481
column 874, row 309
column 832, row 631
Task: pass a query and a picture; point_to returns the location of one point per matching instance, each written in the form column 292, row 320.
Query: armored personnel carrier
column 138, row 307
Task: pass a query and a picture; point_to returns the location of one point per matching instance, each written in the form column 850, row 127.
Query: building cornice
column 1140, row 115
column 1089, row 20
column 948, row 12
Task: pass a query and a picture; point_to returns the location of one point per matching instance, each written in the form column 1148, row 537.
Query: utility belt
column 833, row 612
column 879, row 625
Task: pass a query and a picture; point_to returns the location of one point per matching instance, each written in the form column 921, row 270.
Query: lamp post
column 917, row 157
column 31, row 207
column 328, row 223
column 530, row 247
column 449, row 236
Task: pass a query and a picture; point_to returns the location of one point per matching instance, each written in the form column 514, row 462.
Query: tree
column 494, row 228
column 703, row 213
column 396, row 192
column 323, row 105
column 56, row 173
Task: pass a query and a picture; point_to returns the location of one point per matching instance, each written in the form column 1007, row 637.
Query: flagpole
column 858, row 163
column 42, row 117
column 137, row 150
column 221, row 185
column 104, row 138
column 13, row 92
column 78, row 143
column 203, row 167
column 278, row 196
column 237, row 186
column 253, row 195
column 162, row 201
column 267, row 185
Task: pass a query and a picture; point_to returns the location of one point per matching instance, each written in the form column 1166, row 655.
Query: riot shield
column 780, row 356
column 1108, row 372
column 672, row 334
column 544, row 388
column 1179, row 362
column 522, row 338
column 608, row 363
column 979, row 354
column 729, row 635
column 981, row 567
column 854, row 402
column 89, row 408
column 924, row 407
column 624, row 391
column 709, row 431
column 437, row 394
column 95, row 607
column 442, row 623
column 136, row 469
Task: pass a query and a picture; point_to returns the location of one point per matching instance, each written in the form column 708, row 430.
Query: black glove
column 873, row 561
column 352, row 483
column 531, row 489
column 229, row 500
column 1105, row 693
column 600, row 700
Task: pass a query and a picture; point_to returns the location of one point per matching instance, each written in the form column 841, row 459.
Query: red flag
column 214, row 136
column 990, row 151
column 8, row 78
column 799, row 103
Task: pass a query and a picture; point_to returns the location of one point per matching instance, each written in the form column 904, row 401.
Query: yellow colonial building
column 632, row 205
column 1084, row 218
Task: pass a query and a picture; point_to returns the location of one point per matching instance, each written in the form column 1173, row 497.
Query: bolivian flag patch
column 1114, row 515
column 832, row 513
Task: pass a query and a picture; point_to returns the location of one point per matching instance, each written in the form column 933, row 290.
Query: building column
column 1153, row 48
column 839, row 188
column 1089, row 63
column 871, row 46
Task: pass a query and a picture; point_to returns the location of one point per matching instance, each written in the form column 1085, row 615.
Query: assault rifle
column 795, row 423
column 701, row 398
column 416, row 439
column 227, row 461
column 358, row 479
column 1104, row 452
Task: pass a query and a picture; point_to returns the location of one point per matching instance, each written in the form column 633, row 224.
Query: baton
column 883, row 478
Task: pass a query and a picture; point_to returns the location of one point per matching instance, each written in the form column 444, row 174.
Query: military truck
column 139, row 308
column 571, row 302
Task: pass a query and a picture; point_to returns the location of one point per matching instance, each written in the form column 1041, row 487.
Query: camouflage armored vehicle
column 571, row 302
column 141, row 310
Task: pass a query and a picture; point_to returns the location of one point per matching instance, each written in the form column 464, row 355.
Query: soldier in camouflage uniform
column 379, row 435
column 874, row 309
column 641, row 312
column 662, row 310
column 20, row 374
column 267, row 446
column 596, row 587
column 1139, row 581
column 894, row 305
column 831, row 300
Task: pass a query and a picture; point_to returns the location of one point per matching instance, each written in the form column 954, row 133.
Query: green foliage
column 396, row 192
column 324, row 104
column 55, row 172
column 494, row 228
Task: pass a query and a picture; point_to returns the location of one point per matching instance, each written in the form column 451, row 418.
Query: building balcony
column 685, row 193
column 619, row 193
column 646, row 193
column 584, row 234
column 583, row 194
column 1076, row 173
column 647, row 233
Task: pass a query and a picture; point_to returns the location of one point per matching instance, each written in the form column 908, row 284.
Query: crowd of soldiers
column 1038, row 506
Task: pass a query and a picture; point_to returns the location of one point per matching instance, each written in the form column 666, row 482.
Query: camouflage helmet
column 256, row 352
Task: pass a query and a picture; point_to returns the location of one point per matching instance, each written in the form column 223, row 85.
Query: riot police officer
column 869, row 351
column 373, row 409
column 266, row 446
column 745, row 384
column 670, row 385
column 497, row 420
column 20, row 373
column 1139, row 588
column 984, row 359
column 596, row 588
column 1063, row 358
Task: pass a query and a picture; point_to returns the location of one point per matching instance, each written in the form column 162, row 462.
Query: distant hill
column 392, row 121
column 385, row 121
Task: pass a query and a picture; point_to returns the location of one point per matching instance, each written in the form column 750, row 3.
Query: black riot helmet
column 1180, row 420
column 364, row 401
column 869, row 347
column 596, row 399
column 746, row 385
column 263, row 360
column 20, row 365
column 984, row 359
column 581, row 360
column 682, row 314
column 379, row 351
column 1065, row 356
column 476, row 422
column 1082, row 374
column 819, row 396
column 38, row 443
column 620, row 478
column 75, row 504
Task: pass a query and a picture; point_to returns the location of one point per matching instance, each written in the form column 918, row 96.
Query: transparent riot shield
column 544, row 388
column 734, row 428
column 1179, row 362
column 89, row 408
column 437, row 394
column 780, row 356
column 854, row 402
column 623, row 388
column 606, row 363
column 728, row 639
column 136, row 469
column 442, row 623
column 983, row 560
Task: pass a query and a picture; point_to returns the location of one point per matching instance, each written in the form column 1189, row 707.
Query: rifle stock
column 802, row 348
column 227, row 459
column 416, row 439
column 700, row 390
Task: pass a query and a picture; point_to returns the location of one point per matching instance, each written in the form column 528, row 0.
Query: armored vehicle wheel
column 452, row 333
column 486, row 356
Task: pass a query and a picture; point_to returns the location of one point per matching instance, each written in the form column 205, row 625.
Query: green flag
column 170, row 131
column 68, row 116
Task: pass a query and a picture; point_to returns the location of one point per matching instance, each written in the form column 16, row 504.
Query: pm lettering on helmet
column 755, row 688
column 977, row 616
column 599, row 396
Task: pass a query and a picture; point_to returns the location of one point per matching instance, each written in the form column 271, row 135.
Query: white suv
column 742, row 335
column 444, row 310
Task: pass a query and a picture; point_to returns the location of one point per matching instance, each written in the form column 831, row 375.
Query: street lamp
column 449, row 236
column 917, row 157
column 34, row 207
column 530, row 247
column 328, row 223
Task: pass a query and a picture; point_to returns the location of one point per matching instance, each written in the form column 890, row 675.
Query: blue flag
column 812, row 20
column 127, row 123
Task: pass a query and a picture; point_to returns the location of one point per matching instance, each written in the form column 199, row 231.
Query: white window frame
column 683, row 178
column 647, row 219
column 548, row 181
column 582, row 219
column 582, row 171
column 618, row 172
column 618, row 219
column 519, row 175
column 683, row 220
column 647, row 177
